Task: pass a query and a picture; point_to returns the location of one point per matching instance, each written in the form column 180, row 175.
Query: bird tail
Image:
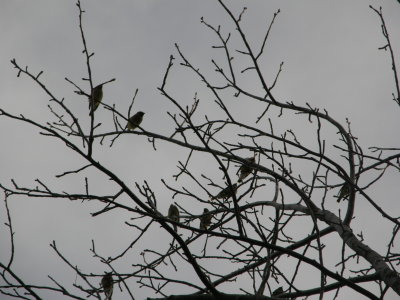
column 91, row 110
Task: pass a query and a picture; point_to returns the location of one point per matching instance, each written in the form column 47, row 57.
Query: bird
column 173, row 215
column 107, row 284
column 95, row 98
column 227, row 192
column 344, row 192
column 135, row 120
column 278, row 291
column 245, row 170
column 205, row 220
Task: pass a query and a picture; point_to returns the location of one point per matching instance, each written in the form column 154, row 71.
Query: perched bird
column 173, row 215
column 226, row 193
column 205, row 220
column 95, row 98
column 135, row 120
column 245, row 170
column 278, row 291
column 344, row 192
column 107, row 284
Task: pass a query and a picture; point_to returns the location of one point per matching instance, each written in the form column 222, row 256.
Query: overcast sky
column 331, row 60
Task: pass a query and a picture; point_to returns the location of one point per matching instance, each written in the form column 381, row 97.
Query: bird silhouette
column 95, row 98
column 344, row 192
column 227, row 192
column 205, row 220
column 107, row 284
column 173, row 215
column 135, row 120
column 245, row 170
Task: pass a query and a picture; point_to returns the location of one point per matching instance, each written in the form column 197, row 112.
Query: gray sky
column 331, row 60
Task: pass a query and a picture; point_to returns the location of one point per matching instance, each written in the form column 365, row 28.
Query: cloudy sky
column 331, row 60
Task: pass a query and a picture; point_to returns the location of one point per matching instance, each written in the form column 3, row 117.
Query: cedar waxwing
column 344, row 192
column 96, row 97
column 205, row 220
column 226, row 193
column 107, row 284
column 245, row 170
column 173, row 215
column 135, row 120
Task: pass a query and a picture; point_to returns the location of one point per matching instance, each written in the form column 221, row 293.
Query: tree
column 285, row 230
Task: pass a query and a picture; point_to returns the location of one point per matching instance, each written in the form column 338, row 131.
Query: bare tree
column 274, row 180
